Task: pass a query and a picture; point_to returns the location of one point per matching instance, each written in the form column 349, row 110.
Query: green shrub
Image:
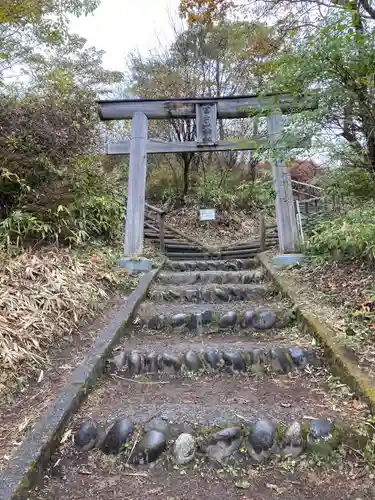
column 213, row 187
column 84, row 203
column 345, row 236
column 231, row 194
column 354, row 183
column 164, row 184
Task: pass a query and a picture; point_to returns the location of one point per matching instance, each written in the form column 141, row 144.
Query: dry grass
column 45, row 296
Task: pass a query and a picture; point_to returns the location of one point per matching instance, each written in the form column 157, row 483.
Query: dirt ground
column 214, row 400
column 91, row 477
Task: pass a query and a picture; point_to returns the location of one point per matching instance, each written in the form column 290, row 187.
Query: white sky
column 119, row 26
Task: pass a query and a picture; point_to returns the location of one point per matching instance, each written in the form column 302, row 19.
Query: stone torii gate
column 205, row 111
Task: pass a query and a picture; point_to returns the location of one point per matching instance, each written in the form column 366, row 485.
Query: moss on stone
column 280, row 432
column 202, row 432
column 215, row 318
column 305, row 429
column 247, row 360
column 289, row 358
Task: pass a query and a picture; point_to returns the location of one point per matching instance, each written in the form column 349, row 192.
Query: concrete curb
column 32, row 456
column 336, row 354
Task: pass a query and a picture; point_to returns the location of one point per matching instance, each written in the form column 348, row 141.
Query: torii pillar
column 135, row 210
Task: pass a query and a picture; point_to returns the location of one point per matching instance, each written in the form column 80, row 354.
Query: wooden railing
column 157, row 215
column 307, row 195
column 303, row 190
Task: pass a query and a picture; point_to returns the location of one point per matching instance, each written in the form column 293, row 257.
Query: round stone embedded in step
column 321, row 436
column 224, row 443
column 233, row 265
column 320, row 429
column 135, row 363
column 202, row 265
column 293, row 443
column 222, row 294
column 118, row 362
column 228, row 320
column 192, row 361
column 158, row 424
column 117, row 436
column 261, row 439
column 151, row 362
column 247, row 319
column 179, row 319
column 171, row 363
column 184, row 449
column 299, row 356
column 234, row 361
column 241, row 293
column 86, row 435
column 149, row 448
column 227, row 434
column 264, row 320
column 212, row 358
column 206, row 317
column 251, row 277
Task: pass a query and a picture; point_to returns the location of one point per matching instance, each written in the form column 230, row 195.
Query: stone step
column 211, row 265
column 234, row 254
column 270, row 240
column 242, row 442
column 207, row 293
column 231, row 358
column 223, row 400
column 182, row 247
column 172, row 237
column 213, row 317
column 242, row 253
column 204, row 277
column 201, row 255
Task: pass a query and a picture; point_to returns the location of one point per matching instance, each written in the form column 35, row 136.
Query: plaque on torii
column 206, row 112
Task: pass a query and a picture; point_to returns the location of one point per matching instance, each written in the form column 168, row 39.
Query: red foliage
column 300, row 170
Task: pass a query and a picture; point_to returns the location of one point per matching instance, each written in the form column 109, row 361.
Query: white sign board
column 207, row 214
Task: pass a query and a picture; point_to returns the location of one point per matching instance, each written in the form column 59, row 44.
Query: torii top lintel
column 226, row 107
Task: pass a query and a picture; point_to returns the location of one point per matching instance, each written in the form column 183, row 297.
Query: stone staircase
column 214, row 380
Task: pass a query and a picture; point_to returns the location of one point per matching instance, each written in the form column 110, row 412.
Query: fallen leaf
column 155, row 491
column 66, row 436
column 274, row 487
column 242, row 484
